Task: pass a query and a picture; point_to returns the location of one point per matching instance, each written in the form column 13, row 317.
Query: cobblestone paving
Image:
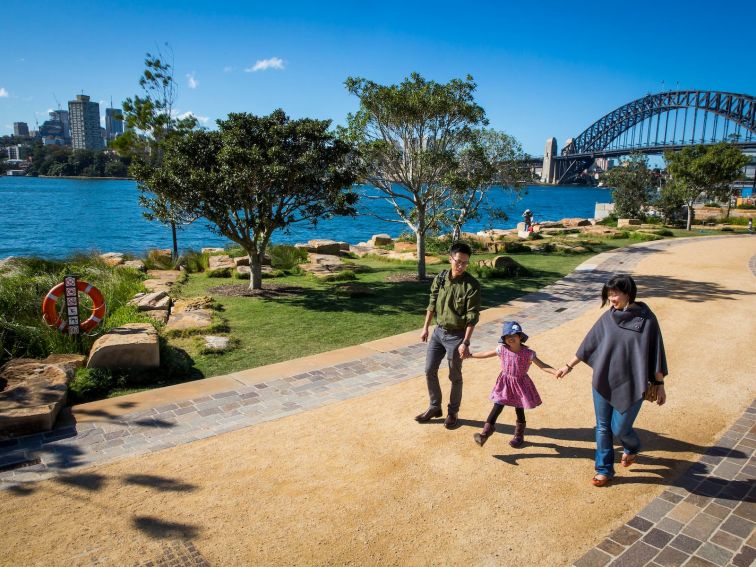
column 705, row 518
column 40, row 456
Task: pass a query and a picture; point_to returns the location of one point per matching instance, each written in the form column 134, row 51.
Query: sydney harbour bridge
column 654, row 124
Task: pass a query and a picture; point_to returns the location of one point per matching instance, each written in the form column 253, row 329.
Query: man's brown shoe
column 429, row 414
column 451, row 421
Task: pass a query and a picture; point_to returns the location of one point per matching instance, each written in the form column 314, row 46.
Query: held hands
column 464, row 351
column 661, row 395
column 563, row 371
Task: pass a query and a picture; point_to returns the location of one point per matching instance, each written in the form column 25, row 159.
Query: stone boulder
column 161, row 280
column 159, row 315
column 191, row 304
column 623, row 223
column 213, row 251
column 112, row 258
column 220, row 266
column 381, row 240
column 216, row 344
column 33, row 391
column 150, row 301
column 190, row 320
column 329, row 247
column 245, row 272
column 575, row 222
column 164, row 253
column 241, row 261
column 132, row 345
column 505, row 264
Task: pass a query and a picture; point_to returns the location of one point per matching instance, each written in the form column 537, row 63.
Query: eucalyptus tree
column 151, row 122
column 493, row 161
column 699, row 170
column 256, row 175
column 410, row 137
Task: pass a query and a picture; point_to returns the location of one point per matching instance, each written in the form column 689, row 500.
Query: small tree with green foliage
column 632, row 184
column 411, row 137
column 256, row 175
column 699, row 170
column 493, row 161
column 151, row 124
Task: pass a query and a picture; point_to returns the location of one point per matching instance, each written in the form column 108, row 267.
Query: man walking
column 455, row 301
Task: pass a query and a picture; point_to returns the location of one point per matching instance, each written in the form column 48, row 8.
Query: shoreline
column 80, row 177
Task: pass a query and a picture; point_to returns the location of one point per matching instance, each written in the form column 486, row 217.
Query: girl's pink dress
column 513, row 386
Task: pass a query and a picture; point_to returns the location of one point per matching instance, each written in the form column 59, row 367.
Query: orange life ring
column 50, row 307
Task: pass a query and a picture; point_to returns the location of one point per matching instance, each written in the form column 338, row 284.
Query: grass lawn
column 322, row 317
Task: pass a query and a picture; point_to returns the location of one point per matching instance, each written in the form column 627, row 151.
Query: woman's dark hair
column 460, row 247
column 625, row 284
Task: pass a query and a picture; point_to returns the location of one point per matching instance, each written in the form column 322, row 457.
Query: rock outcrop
column 132, row 345
column 32, row 392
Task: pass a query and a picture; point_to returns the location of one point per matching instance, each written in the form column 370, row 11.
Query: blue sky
column 542, row 68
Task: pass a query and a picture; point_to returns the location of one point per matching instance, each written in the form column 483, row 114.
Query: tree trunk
column 729, row 204
column 255, row 268
column 420, row 234
column 456, row 233
column 175, row 241
column 690, row 216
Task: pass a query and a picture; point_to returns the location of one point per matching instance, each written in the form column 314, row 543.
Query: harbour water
column 55, row 217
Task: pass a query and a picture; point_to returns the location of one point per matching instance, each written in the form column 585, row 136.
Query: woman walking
column 626, row 352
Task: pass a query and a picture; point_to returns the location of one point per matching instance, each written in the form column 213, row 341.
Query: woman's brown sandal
column 628, row 459
column 600, row 481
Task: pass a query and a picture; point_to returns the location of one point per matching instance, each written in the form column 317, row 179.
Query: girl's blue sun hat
column 512, row 328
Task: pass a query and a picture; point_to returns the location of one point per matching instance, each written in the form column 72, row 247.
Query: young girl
column 513, row 386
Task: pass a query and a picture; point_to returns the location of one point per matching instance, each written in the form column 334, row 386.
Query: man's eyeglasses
column 459, row 262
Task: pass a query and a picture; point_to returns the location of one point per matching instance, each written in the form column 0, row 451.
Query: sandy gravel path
column 360, row 483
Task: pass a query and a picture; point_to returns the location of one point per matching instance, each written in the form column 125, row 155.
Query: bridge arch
column 610, row 132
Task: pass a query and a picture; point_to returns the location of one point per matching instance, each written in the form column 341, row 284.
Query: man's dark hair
column 623, row 283
column 460, row 247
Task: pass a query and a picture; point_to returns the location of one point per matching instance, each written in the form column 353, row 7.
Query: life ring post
column 68, row 320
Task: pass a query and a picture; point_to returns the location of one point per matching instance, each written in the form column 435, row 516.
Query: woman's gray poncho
column 625, row 351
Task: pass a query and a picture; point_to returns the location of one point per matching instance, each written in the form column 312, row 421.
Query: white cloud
column 228, row 69
column 265, row 64
column 191, row 80
column 3, row 93
column 201, row 119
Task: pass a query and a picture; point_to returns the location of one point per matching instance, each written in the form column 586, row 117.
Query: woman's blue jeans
column 611, row 423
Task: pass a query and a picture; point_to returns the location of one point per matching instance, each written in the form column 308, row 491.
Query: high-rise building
column 84, row 116
column 21, row 129
column 62, row 117
column 113, row 123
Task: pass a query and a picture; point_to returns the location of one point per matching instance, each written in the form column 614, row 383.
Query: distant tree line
column 61, row 161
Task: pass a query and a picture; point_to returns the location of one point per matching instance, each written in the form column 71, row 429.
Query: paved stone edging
column 705, row 518
column 46, row 455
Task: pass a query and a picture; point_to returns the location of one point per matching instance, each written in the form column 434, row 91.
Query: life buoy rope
column 50, row 307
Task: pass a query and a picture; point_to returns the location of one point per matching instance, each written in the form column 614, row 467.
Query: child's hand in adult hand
column 562, row 372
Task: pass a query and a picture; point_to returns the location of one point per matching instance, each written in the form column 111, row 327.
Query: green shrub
column 727, row 229
column 155, row 260
column 620, row 235
column 286, row 257
column 643, row 236
column 194, row 261
column 746, row 207
column 610, row 220
column 741, row 221
column 664, row 232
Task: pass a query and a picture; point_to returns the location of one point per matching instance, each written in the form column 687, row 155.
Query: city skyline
column 541, row 71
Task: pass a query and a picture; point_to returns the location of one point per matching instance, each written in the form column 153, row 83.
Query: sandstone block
column 150, row 301
column 112, row 258
column 194, row 319
column 623, row 223
column 132, row 345
column 191, row 304
column 241, row 261
column 319, row 246
column 159, row 315
column 216, row 343
column 213, row 251
column 161, row 280
column 575, row 222
column 33, row 391
column 220, row 261
column 381, row 240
